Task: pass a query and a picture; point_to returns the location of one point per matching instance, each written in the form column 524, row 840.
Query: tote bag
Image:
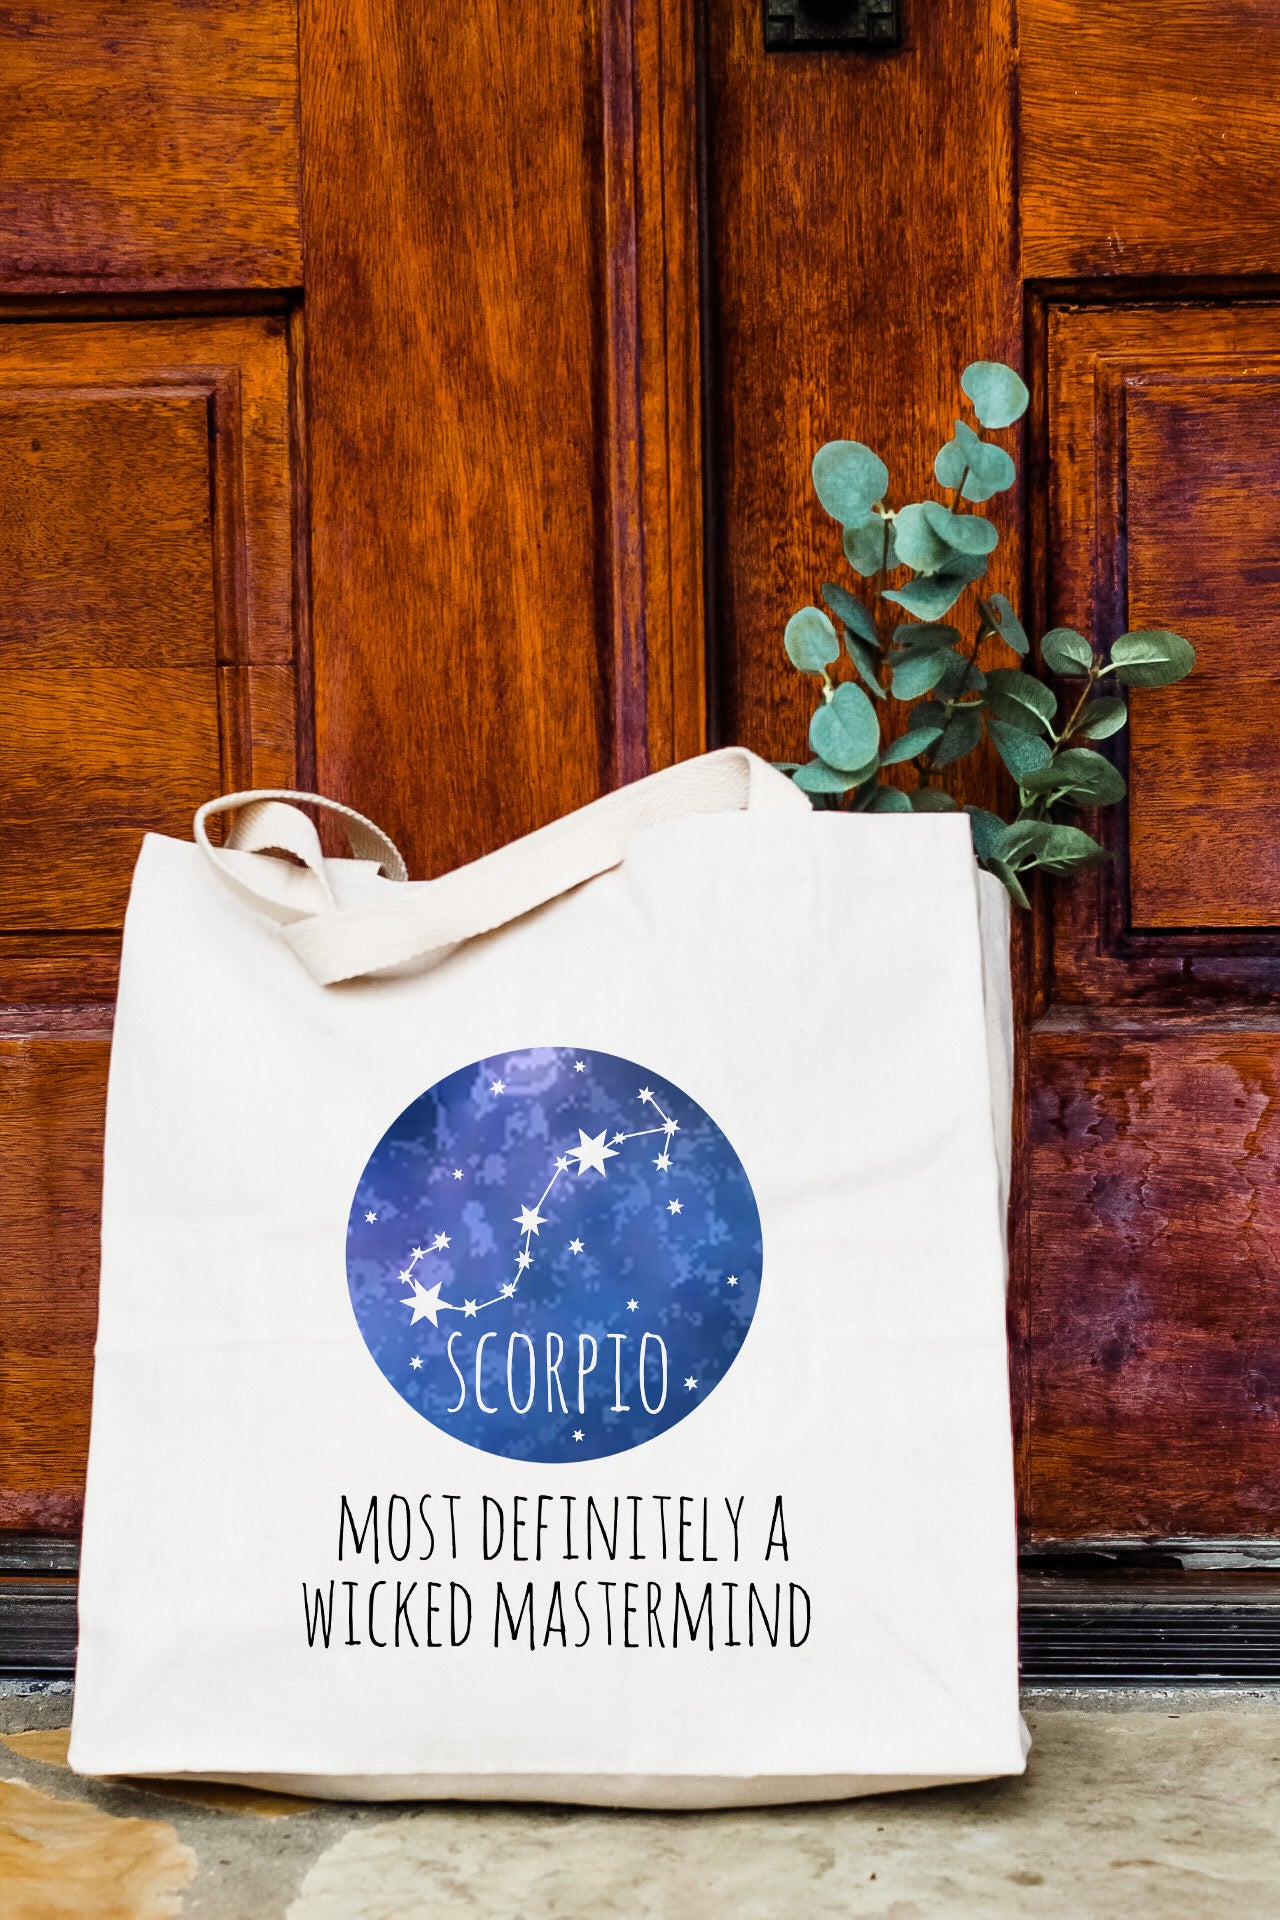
column 552, row 1322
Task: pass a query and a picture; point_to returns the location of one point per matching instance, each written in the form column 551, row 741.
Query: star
column 732, row 1281
column 469, row 1309
column 419, row 1253
column 426, row 1302
column 440, row 1242
column 579, row 1066
column 618, row 1139
column 690, row 1382
column 457, row 1173
column 524, row 1259
column 632, row 1305
column 497, row 1086
column 370, row 1218
column 577, row 1433
column 407, row 1275
column 562, row 1165
column 675, row 1206
column 592, row 1153
column 575, row 1246
column 529, row 1220
column 416, row 1362
column 663, row 1161
column 509, row 1289
column 670, row 1126
column 646, row 1093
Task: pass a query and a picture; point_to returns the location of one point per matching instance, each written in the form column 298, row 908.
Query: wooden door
column 420, row 404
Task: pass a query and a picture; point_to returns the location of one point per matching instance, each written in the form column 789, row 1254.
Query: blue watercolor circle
column 586, row 1216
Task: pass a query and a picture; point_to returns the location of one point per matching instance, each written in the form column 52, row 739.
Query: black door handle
column 807, row 26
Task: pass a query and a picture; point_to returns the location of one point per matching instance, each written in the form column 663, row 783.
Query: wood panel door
column 420, row 405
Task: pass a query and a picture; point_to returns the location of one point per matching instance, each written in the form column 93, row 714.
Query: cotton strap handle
column 336, row 944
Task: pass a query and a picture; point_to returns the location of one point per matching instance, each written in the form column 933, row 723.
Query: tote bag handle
column 336, row 944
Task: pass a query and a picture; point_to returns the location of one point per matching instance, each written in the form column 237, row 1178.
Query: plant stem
column 1094, row 673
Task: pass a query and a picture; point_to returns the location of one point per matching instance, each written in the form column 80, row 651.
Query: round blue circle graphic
column 554, row 1255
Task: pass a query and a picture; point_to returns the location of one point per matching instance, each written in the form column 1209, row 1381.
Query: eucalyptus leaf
column 1000, row 614
column 1011, row 684
column 960, row 736
column 1100, row 718
column 962, row 532
column 1066, row 652
column 1008, row 879
column 915, row 740
column 985, row 469
column 998, row 394
column 988, row 832
column 845, row 731
column 849, row 479
column 935, row 594
column 1078, row 774
column 847, row 607
column 1152, row 657
column 918, row 672
column 867, row 660
column 865, row 547
column 1069, row 847
column 1022, row 752
column 930, row 713
column 926, row 635
column 818, row 777
column 918, row 544
column 960, row 676
column 810, row 640
column 889, row 800
column 931, row 800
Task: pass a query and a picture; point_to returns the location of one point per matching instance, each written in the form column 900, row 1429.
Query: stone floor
column 1141, row 1806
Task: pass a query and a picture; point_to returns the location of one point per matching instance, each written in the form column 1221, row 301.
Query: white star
column 592, row 1153
column 562, row 1165
column 415, row 1363
column 524, row 1259
column 690, row 1382
column 675, row 1206
column 440, row 1242
column 509, row 1289
column 370, row 1218
column 407, row 1275
column 646, row 1093
column 670, row 1126
column 419, row 1252
column 579, row 1066
column 632, row 1305
column 732, row 1281
column 529, row 1220
column 457, row 1173
column 469, row 1309
column 575, row 1246
column 426, row 1302
column 618, row 1139
column 577, row 1433
column 663, row 1161
column 497, row 1086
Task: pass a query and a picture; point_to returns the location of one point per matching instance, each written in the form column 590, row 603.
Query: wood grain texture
column 1149, row 141
column 842, row 308
column 1154, row 1314
column 149, row 146
column 52, row 1095
column 485, row 238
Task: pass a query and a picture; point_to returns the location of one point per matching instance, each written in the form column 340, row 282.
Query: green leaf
column 889, row 800
column 960, row 676
column 1022, row 752
column 847, row 607
column 962, row 532
column 1066, row 652
column 1100, row 719
column 810, row 640
column 998, row 394
column 960, row 736
column 1008, row 878
column 936, row 594
column 918, row 544
column 864, row 546
column 849, row 479
column 1057, row 849
column 998, row 611
column 818, row 777
column 915, row 740
column 927, row 636
column 931, row 800
column 1152, row 657
column 918, row 672
column 845, row 731
column 1010, row 684
column 867, row 660
column 930, row 713
column 989, row 469
column 988, row 832
column 1080, row 775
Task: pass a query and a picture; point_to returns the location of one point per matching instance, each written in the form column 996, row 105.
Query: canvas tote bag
column 552, row 1324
